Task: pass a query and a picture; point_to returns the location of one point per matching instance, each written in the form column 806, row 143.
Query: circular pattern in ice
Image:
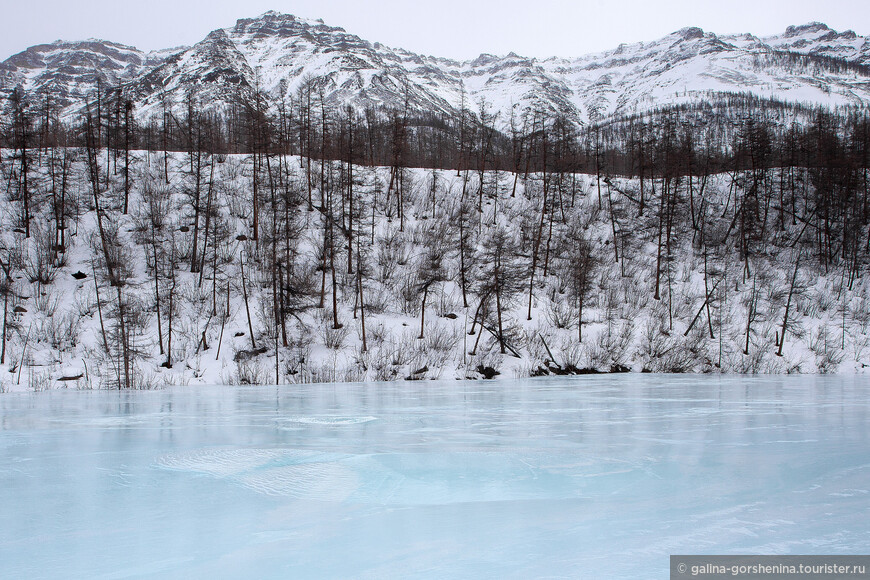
column 328, row 420
column 400, row 478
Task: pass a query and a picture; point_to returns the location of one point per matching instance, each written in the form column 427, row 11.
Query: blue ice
column 585, row 477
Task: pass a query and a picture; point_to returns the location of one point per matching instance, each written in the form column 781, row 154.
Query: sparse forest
column 304, row 242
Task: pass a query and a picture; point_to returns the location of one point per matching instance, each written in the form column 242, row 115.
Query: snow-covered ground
column 55, row 337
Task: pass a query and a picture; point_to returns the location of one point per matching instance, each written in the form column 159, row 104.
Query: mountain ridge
column 277, row 53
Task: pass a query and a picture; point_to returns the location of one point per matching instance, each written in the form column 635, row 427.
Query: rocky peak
column 690, row 33
column 808, row 28
column 92, row 50
column 276, row 24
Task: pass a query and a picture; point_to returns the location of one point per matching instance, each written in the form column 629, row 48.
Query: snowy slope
column 277, row 54
column 818, row 39
column 691, row 65
column 68, row 72
column 56, row 327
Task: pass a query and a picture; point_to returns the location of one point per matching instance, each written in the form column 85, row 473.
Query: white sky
column 458, row 29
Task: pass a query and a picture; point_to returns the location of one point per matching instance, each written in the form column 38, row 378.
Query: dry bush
column 42, row 261
column 333, row 338
column 61, row 331
column 561, row 313
column 251, row 371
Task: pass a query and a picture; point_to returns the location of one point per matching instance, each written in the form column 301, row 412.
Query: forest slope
column 271, row 268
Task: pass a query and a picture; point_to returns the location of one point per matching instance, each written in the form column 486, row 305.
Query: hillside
column 168, row 295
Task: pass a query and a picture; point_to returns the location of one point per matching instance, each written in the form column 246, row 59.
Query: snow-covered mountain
column 277, row 54
column 817, row 39
column 68, row 72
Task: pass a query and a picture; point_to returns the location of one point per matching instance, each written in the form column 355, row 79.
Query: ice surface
column 588, row 477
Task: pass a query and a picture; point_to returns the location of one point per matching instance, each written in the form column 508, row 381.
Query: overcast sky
column 453, row 28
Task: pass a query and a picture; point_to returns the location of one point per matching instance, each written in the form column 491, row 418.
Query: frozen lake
column 587, row 477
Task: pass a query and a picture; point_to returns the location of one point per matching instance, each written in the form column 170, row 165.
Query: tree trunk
column 423, row 310
column 362, row 307
column 157, row 297
column 5, row 314
column 247, row 308
column 788, row 305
